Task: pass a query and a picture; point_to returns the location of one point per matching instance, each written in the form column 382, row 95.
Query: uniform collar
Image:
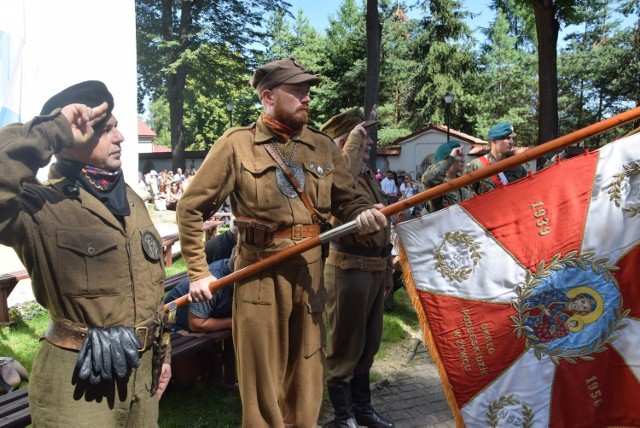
column 264, row 135
column 74, row 191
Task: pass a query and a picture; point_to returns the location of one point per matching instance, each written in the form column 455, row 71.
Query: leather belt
column 298, row 231
column 362, row 251
column 70, row 337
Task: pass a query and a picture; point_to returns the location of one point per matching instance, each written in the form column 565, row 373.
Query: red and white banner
column 529, row 296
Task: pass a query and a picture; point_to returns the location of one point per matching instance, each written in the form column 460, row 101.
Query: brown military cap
column 282, row 71
column 344, row 122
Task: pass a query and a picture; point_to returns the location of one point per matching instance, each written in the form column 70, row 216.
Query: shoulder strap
column 496, row 180
column 293, row 180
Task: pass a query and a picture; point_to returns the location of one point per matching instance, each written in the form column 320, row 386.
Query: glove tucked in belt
column 104, row 353
column 69, row 337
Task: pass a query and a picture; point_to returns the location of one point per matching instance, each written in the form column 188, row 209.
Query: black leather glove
column 107, row 353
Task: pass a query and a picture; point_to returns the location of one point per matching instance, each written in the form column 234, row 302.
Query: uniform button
column 91, row 251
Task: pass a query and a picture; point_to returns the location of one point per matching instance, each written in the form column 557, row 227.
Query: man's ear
column 267, row 97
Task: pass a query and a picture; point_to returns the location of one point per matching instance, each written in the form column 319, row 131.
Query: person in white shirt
column 390, row 188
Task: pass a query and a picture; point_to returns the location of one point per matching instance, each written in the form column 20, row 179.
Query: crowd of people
column 164, row 189
column 94, row 256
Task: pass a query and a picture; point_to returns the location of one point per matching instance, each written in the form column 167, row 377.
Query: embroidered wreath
column 457, row 237
column 615, row 188
column 509, row 400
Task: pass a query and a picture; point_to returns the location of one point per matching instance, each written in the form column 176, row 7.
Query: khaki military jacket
column 487, row 184
column 85, row 267
column 435, row 175
column 238, row 166
column 368, row 187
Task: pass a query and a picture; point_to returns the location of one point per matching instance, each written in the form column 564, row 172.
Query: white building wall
column 68, row 41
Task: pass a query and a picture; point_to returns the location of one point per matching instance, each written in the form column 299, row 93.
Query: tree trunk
column 176, row 82
column 547, row 27
column 374, row 33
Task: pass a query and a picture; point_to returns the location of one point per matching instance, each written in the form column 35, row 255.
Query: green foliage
column 598, row 71
column 421, row 60
column 200, row 405
column 177, row 266
column 386, row 136
column 507, row 90
column 21, row 341
column 443, row 52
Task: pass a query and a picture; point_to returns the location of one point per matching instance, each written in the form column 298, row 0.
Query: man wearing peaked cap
column 278, row 328
column 344, row 123
column 501, row 138
column 355, row 275
column 282, row 71
column 94, row 259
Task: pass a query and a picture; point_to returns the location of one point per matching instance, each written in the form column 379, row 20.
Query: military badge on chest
column 151, row 246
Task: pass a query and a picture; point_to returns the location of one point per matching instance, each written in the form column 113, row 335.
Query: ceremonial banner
column 529, row 296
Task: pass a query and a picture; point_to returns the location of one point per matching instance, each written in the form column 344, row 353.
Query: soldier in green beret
column 355, row 275
column 449, row 163
column 278, row 327
column 501, row 138
column 94, row 259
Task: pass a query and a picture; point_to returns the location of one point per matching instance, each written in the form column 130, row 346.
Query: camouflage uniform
column 437, row 174
column 487, row 184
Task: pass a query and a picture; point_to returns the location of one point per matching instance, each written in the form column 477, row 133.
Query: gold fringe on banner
column 427, row 336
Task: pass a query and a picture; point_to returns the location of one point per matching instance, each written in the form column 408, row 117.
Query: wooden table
column 209, row 229
column 8, row 282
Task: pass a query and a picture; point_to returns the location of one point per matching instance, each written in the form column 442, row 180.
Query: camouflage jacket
column 437, row 174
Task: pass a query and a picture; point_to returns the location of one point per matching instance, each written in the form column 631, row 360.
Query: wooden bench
column 8, row 282
column 14, row 409
column 219, row 344
column 209, row 229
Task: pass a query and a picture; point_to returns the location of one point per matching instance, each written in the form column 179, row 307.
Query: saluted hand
column 81, row 118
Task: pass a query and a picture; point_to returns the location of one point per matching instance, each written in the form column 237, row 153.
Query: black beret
column 345, row 122
column 91, row 93
column 282, row 71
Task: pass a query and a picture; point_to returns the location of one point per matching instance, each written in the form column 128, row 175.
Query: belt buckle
column 146, row 335
column 297, row 232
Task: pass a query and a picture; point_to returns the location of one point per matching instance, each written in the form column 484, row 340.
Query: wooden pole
column 464, row 180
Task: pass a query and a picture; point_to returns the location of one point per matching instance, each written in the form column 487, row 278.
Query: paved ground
column 408, row 391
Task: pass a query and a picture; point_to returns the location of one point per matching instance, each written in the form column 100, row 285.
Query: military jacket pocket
column 319, row 187
column 259, row 188
column 88, row 262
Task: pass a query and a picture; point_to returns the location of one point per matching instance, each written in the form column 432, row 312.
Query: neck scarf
column 107, row 186
column 279, row 129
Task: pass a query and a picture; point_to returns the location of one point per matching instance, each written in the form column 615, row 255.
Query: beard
column 294, row 120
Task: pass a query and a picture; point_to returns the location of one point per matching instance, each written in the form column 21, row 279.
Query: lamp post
column 230, row 106
column 448, row 100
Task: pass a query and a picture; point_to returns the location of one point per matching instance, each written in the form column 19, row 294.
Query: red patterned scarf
column 279, row 129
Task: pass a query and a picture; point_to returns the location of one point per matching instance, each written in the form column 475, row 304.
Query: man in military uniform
column 355, row 275
column 501, row 138
column 278, row 329
column 94, row 260
column 449, row 162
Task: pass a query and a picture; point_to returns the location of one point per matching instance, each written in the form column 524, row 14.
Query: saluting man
column 355, row 274
column 93, row 256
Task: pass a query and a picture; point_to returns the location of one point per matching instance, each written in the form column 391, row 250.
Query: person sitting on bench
column 202, row 317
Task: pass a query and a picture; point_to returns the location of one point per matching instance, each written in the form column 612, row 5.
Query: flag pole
column 464, row 180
